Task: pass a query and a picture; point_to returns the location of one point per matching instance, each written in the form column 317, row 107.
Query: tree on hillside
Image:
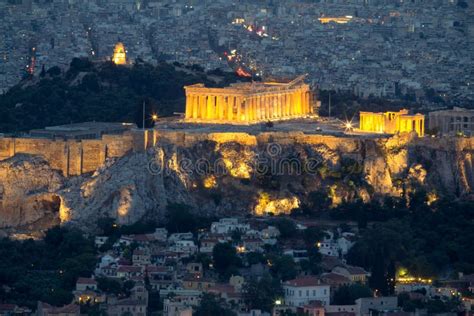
column 211, row 305
column 180, row 219
column 225, row 259
column 286, row 227
column 262, row 294
column 347, row 294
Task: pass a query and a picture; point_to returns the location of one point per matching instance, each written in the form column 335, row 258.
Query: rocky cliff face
column 227, row 176
column 29, row 198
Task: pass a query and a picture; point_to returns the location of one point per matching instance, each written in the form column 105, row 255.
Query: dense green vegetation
column 100, row 92
column 347, row 294
column 212, row 305
column 262, row 293
column 44, row 270
column 429, row 241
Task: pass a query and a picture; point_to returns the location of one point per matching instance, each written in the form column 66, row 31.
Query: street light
column 154, row 117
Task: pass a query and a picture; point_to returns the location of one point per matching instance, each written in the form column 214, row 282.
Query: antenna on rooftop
column 329, row 103
column 143, row 122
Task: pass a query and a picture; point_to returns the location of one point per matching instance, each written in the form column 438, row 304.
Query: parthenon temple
column 249, row 102
column 392, row 122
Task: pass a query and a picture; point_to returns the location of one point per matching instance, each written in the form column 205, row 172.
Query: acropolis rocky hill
column 134, row 176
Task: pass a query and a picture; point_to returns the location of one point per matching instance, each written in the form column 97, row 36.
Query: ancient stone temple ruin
column 249, row 102
column 392, row 122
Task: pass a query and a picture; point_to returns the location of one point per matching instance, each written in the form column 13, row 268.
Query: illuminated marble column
column 274, row 110
column 230, row 107
column 210, row 107
column 310, row 103
column 255, row 102
column 303, row 102
column 239, row 108
column 189, row 109
column 285, row 105
column 218, row 107
column 202, row 107
column 290, row 104
column 266, row 106
column 223, row 108
column 251, row 110
column 247, row 109
column 270, row 107
column 308, row 107
column 279, row 106
column 195, row 106
column 259, row 108
column 304, row 107
column 297, row 103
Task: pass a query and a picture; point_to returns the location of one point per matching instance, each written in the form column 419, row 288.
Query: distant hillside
column 102, row 92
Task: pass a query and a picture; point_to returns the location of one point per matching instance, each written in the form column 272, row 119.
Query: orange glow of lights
column 242, row 73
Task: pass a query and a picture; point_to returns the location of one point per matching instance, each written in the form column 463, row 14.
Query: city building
column 392, row 122
column 355, row 274
column 228, row 225
column 452, row 122
column 373, row 305
column 249, row 102
column 177, row 306
column 306, row 289
column 44, row 309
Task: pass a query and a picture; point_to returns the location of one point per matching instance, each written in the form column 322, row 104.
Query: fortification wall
column 79, row 157
column 188, row 139
column 70, row 157
column 445, row 143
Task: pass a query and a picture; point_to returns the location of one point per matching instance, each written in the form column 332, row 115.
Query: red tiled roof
column 67, row 309
column 340, row 314
column 7, row 307
column 123, row 262
column 355, row 270
column 141, row 237
column 129, row 302
column 129, row 269
column 139, row 252
column 313, row 304
column 86, row 281
column 335, row 278
column 222, row 288
column 329, row 262
column 209, row 240
column 304, row 281
column 153, row 269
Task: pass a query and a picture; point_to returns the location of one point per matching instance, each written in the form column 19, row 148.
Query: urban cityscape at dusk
column 237, row 157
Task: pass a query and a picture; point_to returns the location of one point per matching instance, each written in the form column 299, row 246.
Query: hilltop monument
column 120, row 54
column 249, row 102
column 392, row 122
